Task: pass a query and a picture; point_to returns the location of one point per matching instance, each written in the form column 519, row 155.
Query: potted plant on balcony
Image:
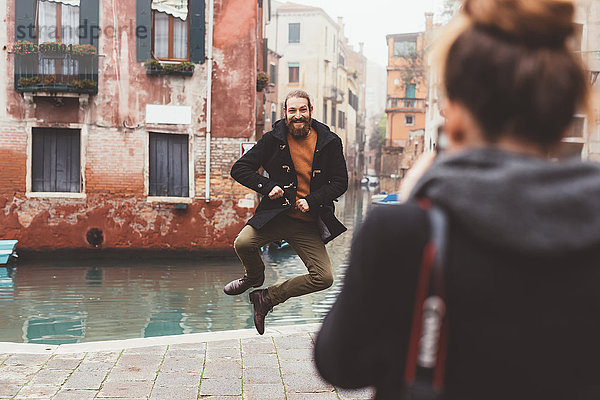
column 22, row 48
column 187, row 68
column 84, row 50
column 84, row 86
column 262, row 80
column 25, row 57
column 29, row 82
column 54, row 50
column 155, row 67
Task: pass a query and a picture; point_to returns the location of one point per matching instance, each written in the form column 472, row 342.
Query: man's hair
column 301, row 94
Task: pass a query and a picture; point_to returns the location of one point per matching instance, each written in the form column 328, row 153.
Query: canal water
column 57, row 302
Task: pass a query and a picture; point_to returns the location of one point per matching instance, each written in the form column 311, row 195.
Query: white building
column 585, row 134
column 314, row 59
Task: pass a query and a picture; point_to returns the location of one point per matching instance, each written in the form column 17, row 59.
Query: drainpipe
column 211, row 17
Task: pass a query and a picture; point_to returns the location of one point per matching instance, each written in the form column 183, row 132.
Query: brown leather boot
column 262, row 305
column 239, row 286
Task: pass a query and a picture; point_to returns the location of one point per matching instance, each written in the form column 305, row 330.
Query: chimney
column 341, row 26
column 362, row 47
column 428, row 21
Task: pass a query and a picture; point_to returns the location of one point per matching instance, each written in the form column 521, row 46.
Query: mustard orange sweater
column 303, row 151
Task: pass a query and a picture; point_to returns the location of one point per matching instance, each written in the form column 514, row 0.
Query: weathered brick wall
column 13, row 157
column 224, row 152
column 115, row 161
column 114, row 202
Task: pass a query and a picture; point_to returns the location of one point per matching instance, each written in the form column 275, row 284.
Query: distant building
column 316, row 57
column 584, row 136
column 406, row 104
column 272, row 109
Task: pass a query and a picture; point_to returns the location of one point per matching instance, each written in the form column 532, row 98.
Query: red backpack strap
column 426, row 357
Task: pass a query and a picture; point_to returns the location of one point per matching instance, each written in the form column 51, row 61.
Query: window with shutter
column 170, row 30
column 169, row 168
column 273, row 74
column 57, row 62
column 55, row 160
column 333, row 115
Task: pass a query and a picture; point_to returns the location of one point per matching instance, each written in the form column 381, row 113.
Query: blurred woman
column 523, row 259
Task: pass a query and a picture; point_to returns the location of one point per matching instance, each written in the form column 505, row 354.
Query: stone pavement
column 232, row 365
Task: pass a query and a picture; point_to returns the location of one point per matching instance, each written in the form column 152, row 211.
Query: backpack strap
column 426, row 356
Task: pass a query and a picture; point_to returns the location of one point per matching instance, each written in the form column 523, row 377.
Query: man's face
column 298, row 117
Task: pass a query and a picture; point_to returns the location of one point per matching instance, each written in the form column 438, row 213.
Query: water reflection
column 57, row 302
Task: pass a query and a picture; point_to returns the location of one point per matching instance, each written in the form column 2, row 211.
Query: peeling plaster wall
column 234, row 90
column 115, row 158
column 126, row 222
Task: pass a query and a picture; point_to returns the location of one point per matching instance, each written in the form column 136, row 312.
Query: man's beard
column 301, row 132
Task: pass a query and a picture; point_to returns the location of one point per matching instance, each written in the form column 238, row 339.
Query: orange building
column 406, row 103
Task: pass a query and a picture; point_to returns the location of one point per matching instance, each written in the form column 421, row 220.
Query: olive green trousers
column 304, row 238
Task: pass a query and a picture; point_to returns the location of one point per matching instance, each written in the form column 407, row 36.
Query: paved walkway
column 233, row 365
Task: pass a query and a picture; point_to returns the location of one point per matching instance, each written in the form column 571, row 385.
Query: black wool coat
column 329, row 178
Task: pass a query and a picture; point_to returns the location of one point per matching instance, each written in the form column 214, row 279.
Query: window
column 169, row 169
column 325, row 112
column 294, row 72
column 57, row 22
column 273, row 74
column 577, row 127
column 341, row 119
column 55, row 160
column 294, row 33
column 352, row 99
column 333, row 114
column 410, row 94
column 404, row 48
column 341, row 60
column 178, row 33
column 409, row 120
column 170, row 30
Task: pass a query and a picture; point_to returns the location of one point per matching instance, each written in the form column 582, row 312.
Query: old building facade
column 317, row 58
column 406, row 104
column 121, row 120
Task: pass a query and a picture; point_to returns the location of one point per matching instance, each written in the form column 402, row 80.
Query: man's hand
column 276, row 193
column 302, row 205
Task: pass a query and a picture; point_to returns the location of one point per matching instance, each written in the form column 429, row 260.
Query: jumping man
column 307, row 171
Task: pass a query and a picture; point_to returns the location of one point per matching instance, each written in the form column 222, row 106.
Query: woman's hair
column 509, row 63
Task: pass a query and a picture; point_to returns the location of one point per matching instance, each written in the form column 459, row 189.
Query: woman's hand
column 413, row 175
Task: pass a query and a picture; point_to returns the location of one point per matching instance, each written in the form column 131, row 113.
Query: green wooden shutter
column 89, row 33
column 89, row 19
column 25, row 20
column 143, row 30
column 197, row 31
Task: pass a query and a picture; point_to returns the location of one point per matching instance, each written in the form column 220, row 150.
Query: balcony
column 334, row 94
column 406, row 104
column 56, row 68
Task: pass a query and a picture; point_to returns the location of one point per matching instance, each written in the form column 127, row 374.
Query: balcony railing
column 56, row 73
column 333, row 93
column 406, row 104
